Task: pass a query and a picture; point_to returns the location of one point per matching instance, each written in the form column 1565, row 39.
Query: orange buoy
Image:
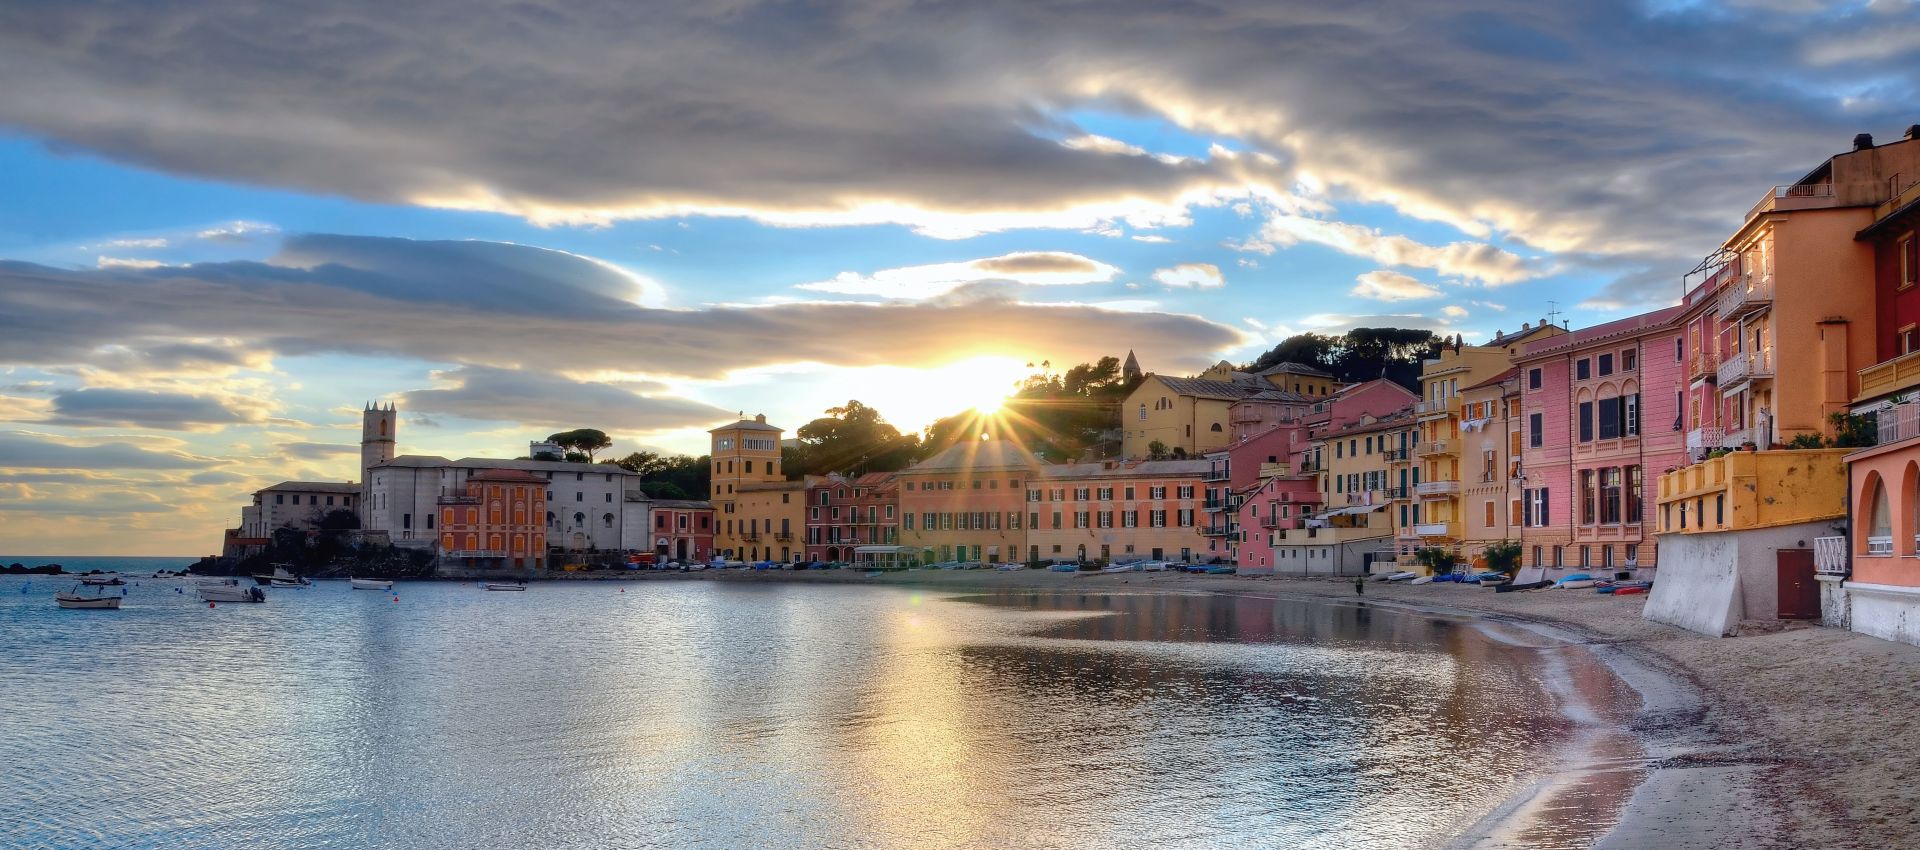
column 209, row 605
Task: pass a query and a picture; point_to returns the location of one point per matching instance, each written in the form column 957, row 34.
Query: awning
column 1353, row 510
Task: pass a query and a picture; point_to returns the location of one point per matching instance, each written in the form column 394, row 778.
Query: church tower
column 377, row 426
column 1131, row 371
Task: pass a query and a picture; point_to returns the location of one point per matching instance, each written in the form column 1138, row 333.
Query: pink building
column 1256, row 413
column 1280, row 501
column 1236, row 471
column 1601, row 411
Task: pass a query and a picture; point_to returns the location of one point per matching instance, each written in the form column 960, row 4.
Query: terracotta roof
column 683, row 504
column 1510, row 374
column 744, row 425
column 515, row 475
column 1294, row 369
column 1617, row 328
column 1136, row 469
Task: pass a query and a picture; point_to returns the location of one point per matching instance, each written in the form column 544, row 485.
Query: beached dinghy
column 75, row 599
column 1629, row 590
column 1522, row 585
column 1403, row 576
column 369, row 584
column 1422, row 580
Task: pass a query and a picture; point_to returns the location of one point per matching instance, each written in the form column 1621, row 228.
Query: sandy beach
column 1797, row 737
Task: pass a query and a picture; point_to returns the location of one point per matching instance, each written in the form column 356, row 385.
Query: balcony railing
column 788, row 535
column 1432, row 529
column 1743, row 367
column 1396, row 455
column 1437, row 488
column 1217, row 473
column 1792, row 197
column 1244, row 414
column 1880, row 545
column 1395, row 493
column 1434, row 447
column 1830, row 556
column 478, row 553
column 1899, row 422
column 1890, row 376
column 1309, row 465
column 1745, row 294
column 1702, row 364
column 751, row 536
column 1271, row 522
column 1219, row 531
column 1437, row 407
column 459, row 499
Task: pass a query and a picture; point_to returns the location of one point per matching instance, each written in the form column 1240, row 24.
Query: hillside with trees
column 1059, row 415
column 1361, row 354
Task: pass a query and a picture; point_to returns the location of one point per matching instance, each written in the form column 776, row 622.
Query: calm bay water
column 718, row 715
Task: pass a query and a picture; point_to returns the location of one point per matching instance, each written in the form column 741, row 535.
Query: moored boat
column 102, row 580
column 75, row 599
column 370, row 584
column 495, row 585
column 229, row 590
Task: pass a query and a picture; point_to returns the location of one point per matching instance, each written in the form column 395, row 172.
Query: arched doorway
column 833, row 553
column 680, row 549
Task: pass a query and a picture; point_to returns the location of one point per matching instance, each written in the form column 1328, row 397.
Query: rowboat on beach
column 1522, row 585
column 1422, row 580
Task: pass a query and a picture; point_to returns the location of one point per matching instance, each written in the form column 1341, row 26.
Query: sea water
column 703, row 714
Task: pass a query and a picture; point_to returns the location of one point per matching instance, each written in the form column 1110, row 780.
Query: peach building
column 968, row 503
column 1116, row 511
column 497, row 522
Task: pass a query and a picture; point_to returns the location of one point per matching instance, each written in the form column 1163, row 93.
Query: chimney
column 1913, row 132
column 1526, row 326
column 760, row 418
column 1863, row 141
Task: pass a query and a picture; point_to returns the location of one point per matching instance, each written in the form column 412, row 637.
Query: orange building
column 968, row 503
column 497, row 523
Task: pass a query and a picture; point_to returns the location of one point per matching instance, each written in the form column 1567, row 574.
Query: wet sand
column 1802, row 737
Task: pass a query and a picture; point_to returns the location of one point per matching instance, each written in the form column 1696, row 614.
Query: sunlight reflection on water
column 702, row 714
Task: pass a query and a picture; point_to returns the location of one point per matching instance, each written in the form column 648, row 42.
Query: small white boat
column 369, row 584
column 1120, row 568
column 230, row 590
column 1404, row 576
column 504, row 586
column 74, row 599
column 1575, row 584
column 106, row 580
column 1422, row 580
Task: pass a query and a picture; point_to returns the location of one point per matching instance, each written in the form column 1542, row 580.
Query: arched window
column 1880, row 528
column 473, row 541
column 607, row 520
column 1143, row 412
column 579, row 518
column 549, row 519
column 1216, row 428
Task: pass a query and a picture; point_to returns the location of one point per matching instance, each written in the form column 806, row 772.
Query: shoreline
column 1767, row 740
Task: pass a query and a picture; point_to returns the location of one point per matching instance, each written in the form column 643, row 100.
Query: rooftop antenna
column 1553, row 312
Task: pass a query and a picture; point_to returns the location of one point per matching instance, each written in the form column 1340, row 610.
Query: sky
column 225, row 227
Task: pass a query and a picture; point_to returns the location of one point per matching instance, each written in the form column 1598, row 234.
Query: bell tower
column 377, row 426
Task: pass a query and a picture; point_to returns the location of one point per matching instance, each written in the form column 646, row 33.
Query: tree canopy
column 1060, row 415
column 852, row 438
column 1361, row 354
column 669, row 477
column 583, row 441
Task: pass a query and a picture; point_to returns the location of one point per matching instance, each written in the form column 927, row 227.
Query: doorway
column 1799, row 593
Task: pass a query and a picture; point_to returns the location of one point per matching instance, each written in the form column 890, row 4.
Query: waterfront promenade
column 1793, row 752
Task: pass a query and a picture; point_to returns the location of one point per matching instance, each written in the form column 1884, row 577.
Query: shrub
column 1503, row 557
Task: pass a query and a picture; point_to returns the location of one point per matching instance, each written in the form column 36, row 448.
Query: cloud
column 215, row 478
column 502, row 395
column 237, row 232
column 516, row 307
column 106, row 262
column 1473, row 260
column 1153, row 239
column 25, row 451
column 1391, row 286
column 1030, row 268
column 1573, row 127
column 132, row 243
column 1454, row 311
column 1191, row 276
column 317, row 451
column 145, row 409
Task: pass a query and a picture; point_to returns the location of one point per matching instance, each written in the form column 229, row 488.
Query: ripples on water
column 710, row 715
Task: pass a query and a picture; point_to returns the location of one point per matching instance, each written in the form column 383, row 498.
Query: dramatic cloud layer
column 144, row 409
column 1629, row 130
column 1191, row 276
column 535, row 399
column 531, row 309
column 1472, row 260
column 1031, row 268
column 1391, row 286
column 26, row 451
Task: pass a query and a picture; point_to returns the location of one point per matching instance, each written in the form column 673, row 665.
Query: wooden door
column 1799, row 593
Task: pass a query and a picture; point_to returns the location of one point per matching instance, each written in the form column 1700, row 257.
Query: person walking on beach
column 1360, row 585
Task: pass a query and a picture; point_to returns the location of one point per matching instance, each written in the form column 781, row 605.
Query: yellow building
column 1441, row 458
column 1193, row 416
column 758, row 513
column 1490, row 436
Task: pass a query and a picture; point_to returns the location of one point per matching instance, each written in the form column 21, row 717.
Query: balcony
column 1308, row 464
column 1745, row 294
column 1899, row 422
column 1434, row 529
column 458, row 499
column 1396, row 455
column 477, row 553
column 1219, row 531
column 1742, row 368
column 1434, row 448
column 1244, row 414
column 1437, row 488
column 1271, row 521
column 750, row 536
column 1395, row 494
column 1215, row 505
column 788, row 535
column 1702, row 364
column 1892, row 376
column 1830, row 556
column 1880, row 545
column 1217, row 473
column 1760, row 489
column 1436, row 408
column 1784, row 198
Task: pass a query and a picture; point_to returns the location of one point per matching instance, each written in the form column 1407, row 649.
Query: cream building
column 1193, row 416
column 1490, row 433
column 758, row 514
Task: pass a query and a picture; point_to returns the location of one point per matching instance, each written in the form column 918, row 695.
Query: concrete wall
column 1709, row 582
column 1885, row 611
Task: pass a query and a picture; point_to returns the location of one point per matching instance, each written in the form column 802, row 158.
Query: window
column 1533, row 379
column 1679, row 350
column 1610, row 491
column 1909, row 261
column 1143, row 413
column 1629, row 359
column 1106, row 494
column 1633, row 497
column 280, row 498
column 1587, row 497
column 1056, row 519
column 1582, row 369
column 1080, row 519
column 1610, row 416
column 1534, row 429
column 1033, row 495
column 1129, row 494
column 579, row 496
column 1156, row 493
column 1489, row 520
column 609, row 497
column 1606, row 364
column 1630, row 414
column 1633, row 554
